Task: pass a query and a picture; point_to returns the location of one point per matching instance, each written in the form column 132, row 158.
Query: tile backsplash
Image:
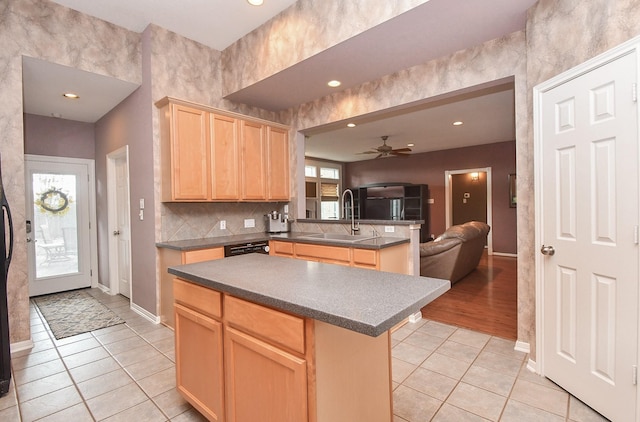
column 182, row 221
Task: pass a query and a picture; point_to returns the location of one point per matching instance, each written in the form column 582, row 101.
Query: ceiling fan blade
column 402, row 150
column 367, row 152
column 380, row 155
column 400, row 154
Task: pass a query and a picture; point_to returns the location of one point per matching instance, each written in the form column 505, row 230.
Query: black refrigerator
column 6, row 250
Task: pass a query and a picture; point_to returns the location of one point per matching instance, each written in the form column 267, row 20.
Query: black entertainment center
column 391, row 201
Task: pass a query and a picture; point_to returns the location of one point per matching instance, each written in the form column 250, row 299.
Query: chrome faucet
column 355, row 227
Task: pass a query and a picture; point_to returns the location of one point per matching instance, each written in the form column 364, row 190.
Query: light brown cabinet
column 212, row 155
column 266, row 369
column 225, row 180
column 392, row 259
column 199, row 348
column 199, row 352
column 186, row 162
column 276, row 366
column 277, row 164
column 173, row 257
column 253, row 163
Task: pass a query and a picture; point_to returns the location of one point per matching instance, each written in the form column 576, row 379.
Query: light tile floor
column 127, row 373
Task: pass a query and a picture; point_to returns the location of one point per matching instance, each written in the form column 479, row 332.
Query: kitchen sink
column 337, row 237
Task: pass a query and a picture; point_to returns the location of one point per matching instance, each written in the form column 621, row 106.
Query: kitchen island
column 268, row 338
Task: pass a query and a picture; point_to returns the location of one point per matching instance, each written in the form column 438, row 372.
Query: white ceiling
column 487, row 114
column 434, row 29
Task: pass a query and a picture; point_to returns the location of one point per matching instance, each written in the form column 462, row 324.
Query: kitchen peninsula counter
column 380, row 242
column 365, row 301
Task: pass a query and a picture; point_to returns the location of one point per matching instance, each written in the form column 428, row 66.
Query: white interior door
column 120, row 222
column 59, row 234
column 588, row 187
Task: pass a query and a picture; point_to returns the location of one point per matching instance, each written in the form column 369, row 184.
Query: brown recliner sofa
column 455, row 253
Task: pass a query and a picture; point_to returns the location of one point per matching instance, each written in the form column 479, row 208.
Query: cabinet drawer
column 276, row 327
column 201, row 299
column 366, row 257
column 282, row 248
column 189, row 257
column 329, row 253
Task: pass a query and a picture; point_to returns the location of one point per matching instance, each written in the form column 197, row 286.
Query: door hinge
column 635, row 374
column 635, row 235
column 634, row 93
column 90, row 273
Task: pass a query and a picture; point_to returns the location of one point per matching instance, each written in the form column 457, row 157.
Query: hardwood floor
column 485, row 300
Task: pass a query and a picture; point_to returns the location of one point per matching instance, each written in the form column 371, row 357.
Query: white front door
column 119, row 221
column 60, row 245
column 587, row 135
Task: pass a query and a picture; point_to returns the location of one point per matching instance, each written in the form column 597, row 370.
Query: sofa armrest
column 439, row 246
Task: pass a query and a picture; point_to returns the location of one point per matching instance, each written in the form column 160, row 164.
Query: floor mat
column 75, row 312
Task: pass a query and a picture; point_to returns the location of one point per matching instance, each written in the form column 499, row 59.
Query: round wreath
column 54, row 201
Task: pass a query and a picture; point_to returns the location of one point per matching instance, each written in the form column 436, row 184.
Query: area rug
column 75, row 312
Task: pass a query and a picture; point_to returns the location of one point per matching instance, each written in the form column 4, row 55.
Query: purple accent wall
column 58, row 137
column 130, row 123
column 429, row 168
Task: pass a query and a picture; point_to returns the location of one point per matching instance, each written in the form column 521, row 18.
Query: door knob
column 116, row 232
column 28, row 239
column 547, row 250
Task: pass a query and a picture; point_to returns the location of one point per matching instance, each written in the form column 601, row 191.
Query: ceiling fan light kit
column 385, row 150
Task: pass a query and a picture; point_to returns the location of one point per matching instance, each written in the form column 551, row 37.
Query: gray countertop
column 212, row 242
column 366, row 301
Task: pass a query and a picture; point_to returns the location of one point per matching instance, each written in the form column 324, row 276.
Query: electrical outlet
column 249, row 223
column 223, row 224
column 389, row 229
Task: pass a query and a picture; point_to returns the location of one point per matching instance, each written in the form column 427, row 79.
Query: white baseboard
column 104, row 288
column 521, row 346
column 509, row 255
column 415, row 317
column 145, row 314
column 21, row 345
column 532, row 366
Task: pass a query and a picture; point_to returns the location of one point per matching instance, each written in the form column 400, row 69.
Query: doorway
column 468, row 198
column 61, row 238
column 119, row 224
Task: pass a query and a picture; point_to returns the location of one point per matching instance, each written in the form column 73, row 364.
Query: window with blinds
column 323, row 181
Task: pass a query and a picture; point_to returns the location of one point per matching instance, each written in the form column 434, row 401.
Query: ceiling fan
column 385, row 150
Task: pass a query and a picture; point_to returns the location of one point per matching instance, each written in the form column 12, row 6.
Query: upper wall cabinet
column 278, row 164
column 215, row 155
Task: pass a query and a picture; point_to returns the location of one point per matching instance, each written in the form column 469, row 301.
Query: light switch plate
column 223, row 224
column 389, row 229
column 141, row 203
column 431, row 201
column 249, row 222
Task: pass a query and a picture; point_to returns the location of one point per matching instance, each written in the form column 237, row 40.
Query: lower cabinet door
column 263, row 382
column 199, row 364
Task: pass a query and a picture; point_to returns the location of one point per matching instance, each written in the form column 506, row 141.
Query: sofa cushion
column 455, row 253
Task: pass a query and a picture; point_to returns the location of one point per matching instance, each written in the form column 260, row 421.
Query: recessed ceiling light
column 255, row 2
column 334, row 83
column 411, row 145
column 71, row 95
column 458, row 123
column 351, row 125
